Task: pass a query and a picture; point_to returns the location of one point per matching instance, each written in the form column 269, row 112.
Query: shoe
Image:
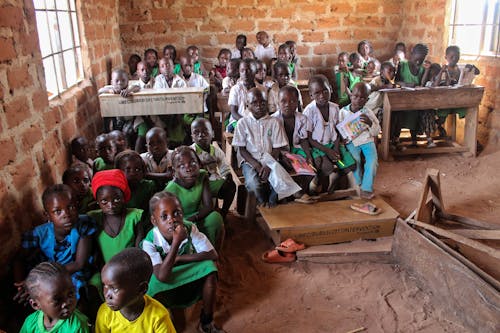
column 290, row 246
column 366, row 195
column 431, row 144
column 305, row 199
column 275, row 257
column 366, row 208
column 210, row 328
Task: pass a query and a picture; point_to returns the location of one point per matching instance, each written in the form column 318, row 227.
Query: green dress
column 87, row 201
column 191, row 201
column 409, row 119
column 76, row 323
column 100, row 165
column 141, row 194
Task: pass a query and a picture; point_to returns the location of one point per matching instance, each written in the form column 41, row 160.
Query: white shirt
column 142, row 84
column 152, row 166
column 274, row 95
column 302, row 126
column 265, row 53
column 368, row 134
column 161, row 82
column 259, row 136
column 238, row 97
column 215, row 164
column 196, row 80
column 323, row 131
column 235, row 53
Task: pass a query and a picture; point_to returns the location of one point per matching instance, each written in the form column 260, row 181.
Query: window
column 57, row 26
column 474, row 26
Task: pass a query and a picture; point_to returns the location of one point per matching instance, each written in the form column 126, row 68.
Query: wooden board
column 453, row 287
column 327, row 222
column 153, row 102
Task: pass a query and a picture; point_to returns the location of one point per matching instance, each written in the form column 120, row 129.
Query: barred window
column 57, row 25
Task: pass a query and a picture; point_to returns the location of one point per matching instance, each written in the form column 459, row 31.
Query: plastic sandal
column 290, row 246
column 305, row 199
column 274, row 257
column 366, row 208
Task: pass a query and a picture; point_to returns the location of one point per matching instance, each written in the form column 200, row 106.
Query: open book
column 300, row 165
column 352, row 126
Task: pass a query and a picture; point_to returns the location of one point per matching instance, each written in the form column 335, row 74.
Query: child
column 52, row 296
column 191, row 185
column 194, row 79
column 193, row 52
column 66, row 238
column 327, row 151
column 238, row 95
column 77, row 177
column 213, row 160
column 170, row 52
column 80, row 151
column 364, row 143
column 295, row 58
column 106, row 151
column 357, row 71
column 167, row 78
column 151, row 58
column 218, row 72
column 232, row 75
column 119, row 139
column 365, row 49
column 183, row 260
column 141, row 190
column 285, row 55
column 127, row 308
column 281, row 75
column 158, row 158
column 247, row 53
column 259, row 139
column 132, row 66
column 241, row 42
column 144, row 79
column 119, row 84
column 384, row 81
column 265, row 49
column 119, row 226
column 428, row 118
column 343, row 76
column 261, row 75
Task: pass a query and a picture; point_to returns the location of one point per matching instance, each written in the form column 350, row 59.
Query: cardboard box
column 326, row 222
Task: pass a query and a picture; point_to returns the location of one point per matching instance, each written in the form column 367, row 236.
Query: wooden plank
column 470, row 130
column 427, row 151
column 478, row 234
column 467, row 221
column 386, row 128
column 153, row 102
column 463, row 296
column 426, row 205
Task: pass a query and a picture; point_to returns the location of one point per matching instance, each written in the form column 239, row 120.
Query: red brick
column 8, row 154
column 223, row 38
column 7, row 50
column 11, row 17
column 328, row 23
column 193, row 12
column 152, row 27
column 318, row 9
column 374, row 22
column 68, row 130
column 51, row 118
column 360, row 34
column 137, row 15
column 19, row 77
column 225, row 12
column 302, row 24
column 16, row 111
column 256, row 13
column 340, row 34
column 39, row 100
column 164, row 14
column 199, row 40
column 426, row 19
column 267, row 25
column 30, row 137
column 366, row 8
column 342, row 8
column 283, row 37
column 239, row 3
column 285, row 13
column 212, row 26
column 324, row 49
column 22, row 174
column 242, row 25
column 313, row 37
column 392, row 8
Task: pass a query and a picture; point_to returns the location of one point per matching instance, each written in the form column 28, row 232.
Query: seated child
column 384, row 81
column 284, row 55
column 119, row 140
column 343, row 76
column 127, row 308
column 281, row 75
column 218, row 72
column 241, row 42
column 193, row 52
column 261, row 77
column 232, row 75
column 194, row 79
column 80, row 151
column 144, row 79
column 247, row 53
column 364, row 143
column 132, row 66
column 106, row 151
column 190, row 185
column 151, row 58
column 259, row 139
column 141, row 190
column 357, row 71
column 295, row 58
column 66, row 238
column 328, row 155
column 170, row 52
column 265, row 49
column 119, row 84
column 370, row 71
column 167, row 78
column 399, row 54
column 365, row 49
column 77, row 177
column 183, row 260
column 158, row 158
column 237, row 100
column 428, row 118
column 52, row 296
column 213, row 160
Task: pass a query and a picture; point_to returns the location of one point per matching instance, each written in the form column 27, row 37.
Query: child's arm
column 210, row 255
column 206, row 203
column 139, row 232
column 203, row 248
column 161, row 176
column 427, row 71
column 83, row 251
column 262, row 170
column 330, row 153
column 106, row 90
column 234, row 112
column 162, row 271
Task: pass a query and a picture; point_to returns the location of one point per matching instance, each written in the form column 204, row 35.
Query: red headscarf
column 114, row 177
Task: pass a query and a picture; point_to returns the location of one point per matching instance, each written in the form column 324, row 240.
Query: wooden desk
column 434, row 98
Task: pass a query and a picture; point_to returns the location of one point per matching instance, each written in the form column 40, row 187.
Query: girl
column 170, row 52
column 77, row 177
column 183, row 260
column 295, row 58
column 106, row 150
column 191, row 185
column 343, row 76
column 52, row 296
column 261, row 75
column 151, row 58
column 365, row 49
column 80, row 151
column 158, row 158
column 232, row 75
column 218, row 72
column 281, row 72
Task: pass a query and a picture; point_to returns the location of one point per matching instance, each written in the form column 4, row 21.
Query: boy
column 241, row 43
column 384, row 81
column 214, row 161
column 194, row 79
column 106, row 150
column 144, row 79
column 80, row 151
column 125, row 280
column 259, row 139
column 158, row 158
column 281, row 75
column 364, row 142
column 119, row 84
column 295, row 58
column 167, row 78
column 265, row 49
column 151, row 59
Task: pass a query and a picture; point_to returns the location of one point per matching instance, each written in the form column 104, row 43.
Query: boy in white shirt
column 193, row 79
column 265, row 49
column 167, row 78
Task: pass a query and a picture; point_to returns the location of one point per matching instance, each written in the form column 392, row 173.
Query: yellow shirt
column 154, row 318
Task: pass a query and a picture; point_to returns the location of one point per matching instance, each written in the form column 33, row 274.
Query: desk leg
column 386, row 130
column 451, row 126
column 470, row 131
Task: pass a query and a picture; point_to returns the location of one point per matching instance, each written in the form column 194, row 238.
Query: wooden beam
column 478, row 234
column 468, row 221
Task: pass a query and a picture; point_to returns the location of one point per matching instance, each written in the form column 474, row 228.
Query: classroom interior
column 35, row 131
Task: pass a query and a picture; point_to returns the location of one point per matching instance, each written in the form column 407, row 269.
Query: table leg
column 386, row 130
column 451, row 126
column 470, row 131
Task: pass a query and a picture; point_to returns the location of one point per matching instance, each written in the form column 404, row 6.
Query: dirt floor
column 306, row 297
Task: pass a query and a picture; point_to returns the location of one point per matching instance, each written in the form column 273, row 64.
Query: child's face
column 143, row 72
column 263, row 39
column 370, row 68
column 284, row 54
column 240, row 43
column 247, row 54
column 187, row 66
column 223, row 59
column 417, row 58
column 257, row 104
column 288, row 103
column 359, row 97
column 82, row 150
column 107, row 150
column 187, row 168
column 389, row 73
column 365, row 50
column 61, row 210
column 132, row 168
column 194, row 54
column 110, row 200
column 357, row 63
column 168, row 53
column 157, row 146
column 282, row 76
column 293, row 48
column 201, row 134
column 119, row 80
column 167, row 216
column 119, row 291
column 260, row 75
column 342, row 62
column 56, row 297
column 132, row 64
column 79, row 182
column 246, row 73
column 166, row 67
column 119, row 140
column 321, row 93
column 231, row 68
column 452, row 58
column 151, row 59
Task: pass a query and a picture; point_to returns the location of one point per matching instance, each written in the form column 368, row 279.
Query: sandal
column 275, row 257
column 305, row 199
column 290, row 246
column 366, row 208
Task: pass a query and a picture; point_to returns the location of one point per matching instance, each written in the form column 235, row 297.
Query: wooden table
column 434, row 98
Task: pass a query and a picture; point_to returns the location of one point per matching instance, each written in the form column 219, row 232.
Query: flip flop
column 305, row 199
column 366, row 208
column 274, row 257
column 290, row 246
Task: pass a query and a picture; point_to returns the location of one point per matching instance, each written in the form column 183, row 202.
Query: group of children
column 140, row 193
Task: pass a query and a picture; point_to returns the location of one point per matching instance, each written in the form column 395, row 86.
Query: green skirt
column 445, row 112
column 345, row 162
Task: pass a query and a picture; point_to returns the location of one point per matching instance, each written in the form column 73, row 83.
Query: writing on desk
column 168, row 99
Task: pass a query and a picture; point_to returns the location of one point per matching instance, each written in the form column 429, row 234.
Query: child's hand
column 180, row 233
column 22, row 296
column 332, row 155
column 427, row 64
column 366, row 120
column 125, row 93
column 264, row 172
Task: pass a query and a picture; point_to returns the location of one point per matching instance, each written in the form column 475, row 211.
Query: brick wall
column 33, row 132
column 322, row 29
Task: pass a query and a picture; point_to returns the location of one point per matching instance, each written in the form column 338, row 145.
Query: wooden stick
column 467, row 221
column 478, row 234
column 357, row 330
